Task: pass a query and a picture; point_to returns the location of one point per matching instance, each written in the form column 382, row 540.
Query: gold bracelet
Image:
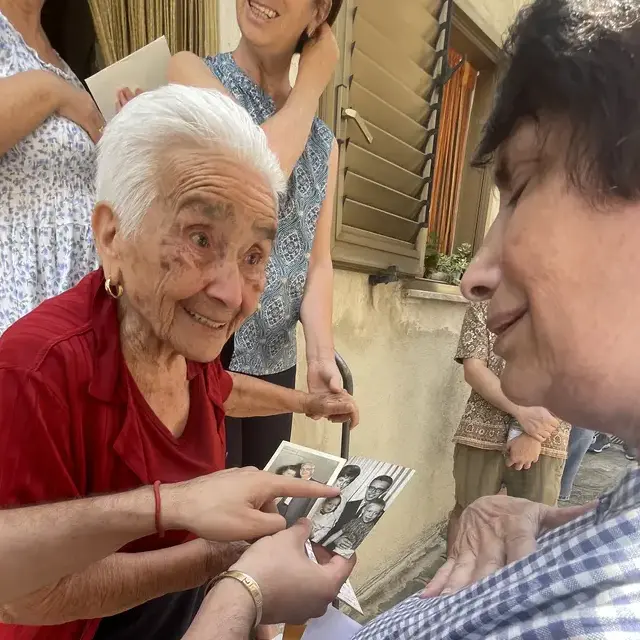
column 248, row 583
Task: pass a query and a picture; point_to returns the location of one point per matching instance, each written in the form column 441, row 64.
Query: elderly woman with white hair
column 117, row 382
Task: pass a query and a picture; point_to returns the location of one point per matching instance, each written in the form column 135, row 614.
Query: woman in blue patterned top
column 48, row 127
column 299, row 275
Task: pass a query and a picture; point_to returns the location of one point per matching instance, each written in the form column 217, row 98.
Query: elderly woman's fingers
column 490, row 559
column 436, row 585
column 520, row 546
column 462, row 573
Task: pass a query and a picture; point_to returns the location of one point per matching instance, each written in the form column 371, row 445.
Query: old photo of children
column 368, row 489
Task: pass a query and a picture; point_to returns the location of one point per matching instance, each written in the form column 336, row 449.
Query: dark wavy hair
column 578, row 62
column 331, row 18
column 289, row 467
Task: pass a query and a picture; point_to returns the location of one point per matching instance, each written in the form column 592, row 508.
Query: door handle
column 352, row 114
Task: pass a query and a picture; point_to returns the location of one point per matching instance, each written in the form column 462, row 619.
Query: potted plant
column 441, row 271
column 456, row 264
column 431, row 255
column 448, row 269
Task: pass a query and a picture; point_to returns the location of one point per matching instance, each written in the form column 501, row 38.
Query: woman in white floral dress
column 48, row 128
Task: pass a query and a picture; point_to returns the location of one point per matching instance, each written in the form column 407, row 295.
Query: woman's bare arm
column 26, row 100
column 316, row 312
column 288, row 130
column 42, row 543
column 122, row 581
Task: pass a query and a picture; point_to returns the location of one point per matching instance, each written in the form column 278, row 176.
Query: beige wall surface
column 228, row 31
column 411, row 395
column 492, row 16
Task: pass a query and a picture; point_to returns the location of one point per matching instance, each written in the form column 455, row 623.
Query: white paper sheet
column 334, row 625
column 144, row 69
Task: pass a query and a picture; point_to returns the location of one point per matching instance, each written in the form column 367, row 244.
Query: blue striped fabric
column 582, row 582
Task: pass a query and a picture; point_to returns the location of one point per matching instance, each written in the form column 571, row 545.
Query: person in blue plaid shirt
column 558, row 267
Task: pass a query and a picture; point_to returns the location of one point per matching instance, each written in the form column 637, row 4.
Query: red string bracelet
column 156, row 493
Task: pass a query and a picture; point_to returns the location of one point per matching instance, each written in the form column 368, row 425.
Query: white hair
column 176, row 115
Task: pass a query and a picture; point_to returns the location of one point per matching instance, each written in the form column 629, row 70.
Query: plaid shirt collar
column 583, row 581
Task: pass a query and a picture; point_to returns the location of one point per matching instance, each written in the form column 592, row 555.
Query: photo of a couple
column 300, row 462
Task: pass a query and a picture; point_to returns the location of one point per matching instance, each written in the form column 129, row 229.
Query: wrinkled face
column 376, row 490
column 372, row 512
column 196, row 267
column 330, row 505
column 560, row 274
column 276, row 25
column 344, row 543
column 306, row 470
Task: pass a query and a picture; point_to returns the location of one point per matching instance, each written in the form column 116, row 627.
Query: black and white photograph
column 368, row 488
column 301, row 462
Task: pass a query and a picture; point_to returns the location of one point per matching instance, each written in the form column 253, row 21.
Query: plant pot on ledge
column 439, row 276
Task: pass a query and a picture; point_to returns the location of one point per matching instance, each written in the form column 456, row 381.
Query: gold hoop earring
column 114, row 290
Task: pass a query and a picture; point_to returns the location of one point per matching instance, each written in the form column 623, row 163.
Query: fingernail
column 446, row 592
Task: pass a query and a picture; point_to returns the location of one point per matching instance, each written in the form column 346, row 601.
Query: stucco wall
column 411, row 395
column 492, row 16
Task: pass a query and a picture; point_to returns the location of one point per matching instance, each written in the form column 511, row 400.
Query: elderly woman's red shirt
column 76, row 424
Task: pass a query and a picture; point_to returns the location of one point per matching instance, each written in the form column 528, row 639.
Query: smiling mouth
column 207, row 322
column 262, row 12
column 502, row 322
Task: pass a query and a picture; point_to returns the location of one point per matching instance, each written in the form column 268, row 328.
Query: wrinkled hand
column 319, row 58
column 522, row 452
column 124, row 96
column 294, row 588
column 237, row 504
column 494, row 532
column 537, row 422
column 78, row 106
column 323, row 376
column 336, row 407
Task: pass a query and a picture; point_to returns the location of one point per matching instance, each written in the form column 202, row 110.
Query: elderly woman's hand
column 237, row 504
column 336, row 407
column 494, row 532
column 323, row 375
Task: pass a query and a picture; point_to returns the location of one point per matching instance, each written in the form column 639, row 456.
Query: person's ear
column 321, row 13
column 107, row 237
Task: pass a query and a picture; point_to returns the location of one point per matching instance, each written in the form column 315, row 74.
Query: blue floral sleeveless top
column 266, row 342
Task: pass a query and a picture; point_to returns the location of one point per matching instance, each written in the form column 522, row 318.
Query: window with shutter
column 384, row 107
